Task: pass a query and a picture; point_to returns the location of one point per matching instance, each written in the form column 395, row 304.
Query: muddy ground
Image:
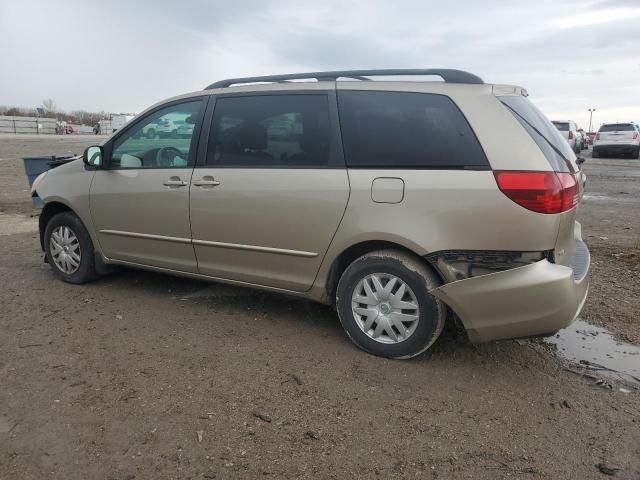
column 141, row 375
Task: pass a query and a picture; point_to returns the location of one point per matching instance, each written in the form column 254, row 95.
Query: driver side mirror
column 92, row 156
column 580, row 161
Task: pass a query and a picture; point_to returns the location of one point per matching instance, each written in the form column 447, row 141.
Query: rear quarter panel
column 441, row 210
column 450, row 209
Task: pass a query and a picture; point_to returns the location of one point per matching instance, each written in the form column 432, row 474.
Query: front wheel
column 69, row 249
column 385, row 307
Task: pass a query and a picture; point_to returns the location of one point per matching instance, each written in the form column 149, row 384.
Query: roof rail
column 447, row 74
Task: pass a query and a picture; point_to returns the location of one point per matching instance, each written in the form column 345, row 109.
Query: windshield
column 543, row 132
column 617, row 127
column 562, row 126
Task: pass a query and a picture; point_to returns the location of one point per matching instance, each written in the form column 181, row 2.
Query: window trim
column 486, row 167
column 195, row 138
column 336, row 155
column 525, row 124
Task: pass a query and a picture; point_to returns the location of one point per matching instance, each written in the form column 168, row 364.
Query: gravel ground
column 141, row 375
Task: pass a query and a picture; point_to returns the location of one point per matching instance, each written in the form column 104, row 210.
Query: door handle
column 174, row 182
column 206, row 181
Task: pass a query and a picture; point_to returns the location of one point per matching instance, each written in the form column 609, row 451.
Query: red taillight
column 635, row 135
column 542, row 192
column 597, row 136
column 569, row 190
column 570, row 135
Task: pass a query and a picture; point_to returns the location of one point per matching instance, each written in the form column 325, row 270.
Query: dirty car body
column 396, row 202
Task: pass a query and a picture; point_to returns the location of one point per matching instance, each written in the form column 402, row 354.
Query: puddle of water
column 583, row 342
column 11, row 224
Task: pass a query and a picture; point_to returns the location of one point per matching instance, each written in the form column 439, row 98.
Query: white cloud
column 595, row 17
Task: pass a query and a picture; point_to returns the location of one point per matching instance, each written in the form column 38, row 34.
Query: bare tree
column 49, row 105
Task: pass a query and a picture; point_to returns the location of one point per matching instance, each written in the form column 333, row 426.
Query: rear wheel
column 69, row 249
column 594, row 153
column 385, row 307
column 636, row 153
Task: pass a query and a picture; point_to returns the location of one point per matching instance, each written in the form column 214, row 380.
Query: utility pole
column 591, row 110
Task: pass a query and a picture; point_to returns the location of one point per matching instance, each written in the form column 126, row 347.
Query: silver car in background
column 569, row 130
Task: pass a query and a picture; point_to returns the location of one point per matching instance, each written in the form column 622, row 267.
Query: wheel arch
column 48, row 212
column 351, row 253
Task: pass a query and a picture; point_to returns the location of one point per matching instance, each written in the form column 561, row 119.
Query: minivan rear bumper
column 533, row 300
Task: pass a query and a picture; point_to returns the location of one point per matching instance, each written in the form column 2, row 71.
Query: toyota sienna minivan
column 396, row 202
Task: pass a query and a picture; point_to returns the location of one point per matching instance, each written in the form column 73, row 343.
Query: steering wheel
column 165, row 156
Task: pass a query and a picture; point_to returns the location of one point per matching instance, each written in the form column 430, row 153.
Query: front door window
column 161, row 140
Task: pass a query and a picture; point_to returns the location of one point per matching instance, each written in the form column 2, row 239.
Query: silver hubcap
column 385, row 308
column 65, row 249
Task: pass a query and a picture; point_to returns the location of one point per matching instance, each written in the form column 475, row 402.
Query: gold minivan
column 394, row 201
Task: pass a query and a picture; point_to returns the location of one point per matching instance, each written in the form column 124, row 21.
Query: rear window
column 617, row 127
column 406, row 130
column 562, row 126
column 543, row 132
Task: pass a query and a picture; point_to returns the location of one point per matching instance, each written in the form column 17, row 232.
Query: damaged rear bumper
column 532, row 300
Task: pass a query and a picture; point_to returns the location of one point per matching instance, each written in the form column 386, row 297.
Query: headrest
column 253, row 136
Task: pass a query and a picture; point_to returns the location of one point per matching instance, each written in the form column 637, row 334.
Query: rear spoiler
column 509, row 90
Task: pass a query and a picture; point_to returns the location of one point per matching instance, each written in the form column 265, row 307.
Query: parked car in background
column 184, row 128
column 166, row 128
column 569, row 130
column 617, row 139
column 149, row 131
column 173, row 127
column 579, row 141
column 584, row 139
column 401, row 204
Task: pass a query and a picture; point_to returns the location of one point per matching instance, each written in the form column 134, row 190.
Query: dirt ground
column 141, row 376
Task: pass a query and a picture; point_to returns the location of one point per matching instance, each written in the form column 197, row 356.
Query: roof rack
column 447, row 74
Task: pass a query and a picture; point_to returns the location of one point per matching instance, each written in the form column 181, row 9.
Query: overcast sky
column 122, row 56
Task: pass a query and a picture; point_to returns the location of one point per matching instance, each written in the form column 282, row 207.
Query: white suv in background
column 569, row 130
column 617, row 139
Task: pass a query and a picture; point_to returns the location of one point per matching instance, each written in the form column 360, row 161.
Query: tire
column 594, row 153
column 419, row 279
column 636, row 154
column 86, row 268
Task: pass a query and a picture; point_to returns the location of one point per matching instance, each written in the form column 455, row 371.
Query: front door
column 272, row 190
column 140, row 201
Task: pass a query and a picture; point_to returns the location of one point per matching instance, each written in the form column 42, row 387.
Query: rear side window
column 544, row 133
column 406, row 130
column 562, row 126
column 269, row 131
column 617, row 127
